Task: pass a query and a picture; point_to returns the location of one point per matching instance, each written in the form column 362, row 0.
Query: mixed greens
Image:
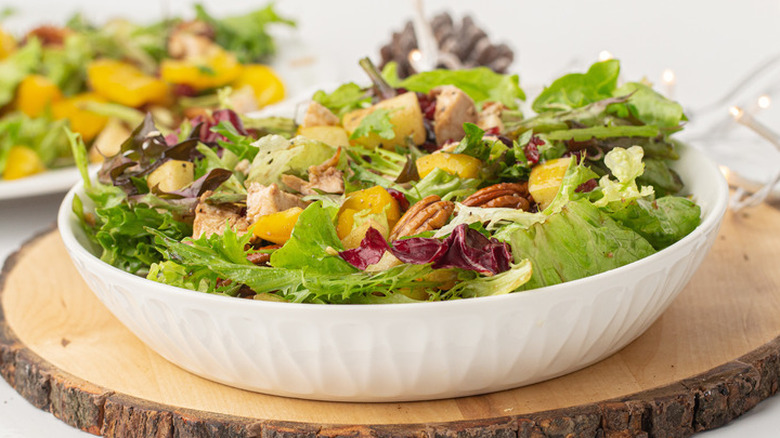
column 433, row 188
column 100, row 81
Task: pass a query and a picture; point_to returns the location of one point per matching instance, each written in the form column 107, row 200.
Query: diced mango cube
column 334, row 136
column 546, row 179
column 171, row 175
column 22, row 162
column 277, row 227
column 85, row 122
column 125, row 83
column 218, row 69
column 267, row 86
column 405, row 115
column 465, row 166
column 35, row 93
column 7, row 44
column 375, row 199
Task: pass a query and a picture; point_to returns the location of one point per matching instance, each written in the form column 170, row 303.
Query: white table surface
column 708, row 44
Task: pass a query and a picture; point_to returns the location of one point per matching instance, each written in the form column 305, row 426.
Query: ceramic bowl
column 404, row 352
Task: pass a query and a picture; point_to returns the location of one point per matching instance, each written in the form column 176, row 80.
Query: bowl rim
column 66, row 220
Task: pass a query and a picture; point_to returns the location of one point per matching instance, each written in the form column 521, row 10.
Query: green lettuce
column 579, row 241
column 663, row 221
column 481, row 84
column 313, row 244
column 576, row 90
column 647, row 106
column 277, row 155
column 344, row 99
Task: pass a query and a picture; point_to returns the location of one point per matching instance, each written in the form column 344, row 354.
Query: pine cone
column 465, row 41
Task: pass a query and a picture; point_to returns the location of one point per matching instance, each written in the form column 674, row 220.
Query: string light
column 605, row 55
column 764, row 101
column 668, row 76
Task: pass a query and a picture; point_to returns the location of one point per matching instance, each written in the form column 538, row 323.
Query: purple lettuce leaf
column 370, row 251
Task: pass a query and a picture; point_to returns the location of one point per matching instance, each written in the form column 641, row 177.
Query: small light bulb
column 604, row 55
column 735, row 112
column 764, row 101
column 415, row 56
column 668, row 76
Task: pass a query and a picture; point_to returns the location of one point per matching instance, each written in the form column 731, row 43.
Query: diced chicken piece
column 324, row 177
column 318, row 115
column 184, row 44
column 262, row 200
column 453, row 109
column 490, row 116
column 243, row 100
column 211, row 219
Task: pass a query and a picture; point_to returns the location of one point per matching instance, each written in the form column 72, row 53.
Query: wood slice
column 713, row 355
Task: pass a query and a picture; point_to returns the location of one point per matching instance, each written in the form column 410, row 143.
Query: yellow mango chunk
column 277, row 227
column 375, row 199
column 405, row 115
column 7, row 44
column 218, row 69
column 86, row 123
column 22, row 162
column 125, row 83
column 35, row 93
column 267, row 86
column 171, row 175
column 465, row 166
column 334, row 136
column 546, row 179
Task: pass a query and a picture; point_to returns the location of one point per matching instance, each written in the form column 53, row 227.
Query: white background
column 709, row 45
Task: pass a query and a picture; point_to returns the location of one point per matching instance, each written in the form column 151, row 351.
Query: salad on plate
column 439, row 186
column 100, row 81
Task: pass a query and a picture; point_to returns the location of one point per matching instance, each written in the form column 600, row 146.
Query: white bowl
column 403, row 352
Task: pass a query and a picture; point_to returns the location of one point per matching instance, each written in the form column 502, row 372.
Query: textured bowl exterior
column 404, row 352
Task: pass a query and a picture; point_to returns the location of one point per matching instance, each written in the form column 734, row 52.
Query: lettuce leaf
column 308, row 247
column 481, row 84
column 647, row 106
column 277, row 155
column 579, row 241
column 576, row 90
column 344, row 99
column 626, row 166
column 663, row 221
column 245, row 35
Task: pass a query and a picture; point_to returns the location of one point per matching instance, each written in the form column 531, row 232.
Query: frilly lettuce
column 277, row 155
column 626, row 165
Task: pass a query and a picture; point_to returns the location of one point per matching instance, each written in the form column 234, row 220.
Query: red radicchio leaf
column 469, row 249
column 419, row 250
column 465, row 248
column 224, row 115
column 370, row 251
column 400, row 197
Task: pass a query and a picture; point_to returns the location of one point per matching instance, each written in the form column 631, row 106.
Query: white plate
column 299, row 68
column 53, row 181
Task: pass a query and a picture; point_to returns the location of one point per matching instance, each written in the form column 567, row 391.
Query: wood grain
column 712, row 356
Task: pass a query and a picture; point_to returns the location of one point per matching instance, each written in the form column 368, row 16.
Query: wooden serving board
column 713, row 355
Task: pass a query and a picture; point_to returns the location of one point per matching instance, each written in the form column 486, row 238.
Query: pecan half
column 504, row 195
column 430, row 213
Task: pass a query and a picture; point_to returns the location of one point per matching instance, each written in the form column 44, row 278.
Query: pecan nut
column 430, row 213
column 504, row 195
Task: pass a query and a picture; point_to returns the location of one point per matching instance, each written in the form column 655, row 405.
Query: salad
column 100, row 81
column 434, row 187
